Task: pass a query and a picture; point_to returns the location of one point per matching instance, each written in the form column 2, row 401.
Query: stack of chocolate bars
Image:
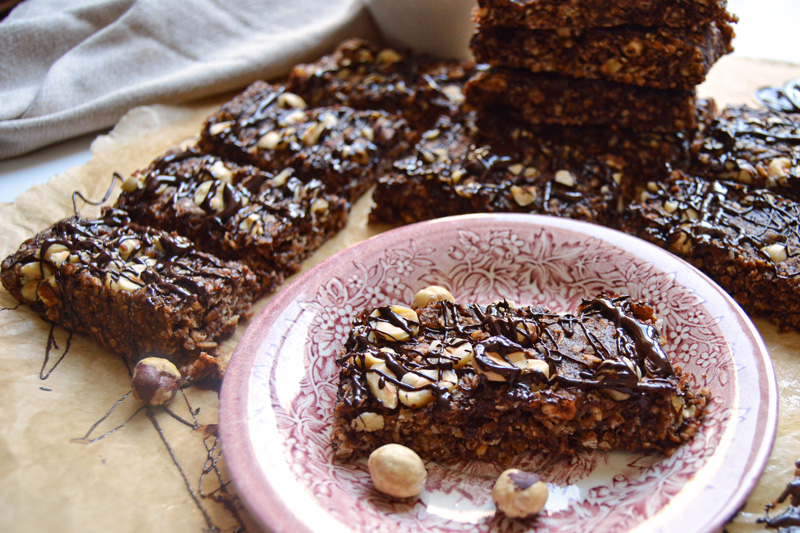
column 623, row 66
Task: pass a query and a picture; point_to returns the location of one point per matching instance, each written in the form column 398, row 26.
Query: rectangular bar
column 552, row 14
column 660, row 57
column 138, row 291
column 455, row 172
column 460, row 381
column 745, row 238
column 552, row 99
column 269, row 222
column 272, row 129
column 641, row 156
column 362, row 75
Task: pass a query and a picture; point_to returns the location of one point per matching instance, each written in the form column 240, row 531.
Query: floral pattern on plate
column 532, row 260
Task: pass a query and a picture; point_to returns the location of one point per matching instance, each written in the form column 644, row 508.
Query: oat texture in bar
column 551, row 99
column 452, row 172
column 270, row 222
column 272, row 129
column 659, row 57
column 138, row 291
column 456, row 381
column 746, row 238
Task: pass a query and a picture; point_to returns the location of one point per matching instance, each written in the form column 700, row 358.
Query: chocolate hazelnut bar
column 659, row 57
column 641, row 156
column 362, row 75
column 454, row 172
column 270, row 222
column 746, row 238
column 756, row 147
column 460, row 381
column 544, row 98
column 271, row 128
column 136, row 290
column 553, row 14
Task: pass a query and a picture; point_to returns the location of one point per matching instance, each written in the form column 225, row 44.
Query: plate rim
column 263, row 499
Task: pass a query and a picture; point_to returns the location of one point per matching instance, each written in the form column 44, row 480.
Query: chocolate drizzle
column 503, row 366
column 733, row 217
column 219, row 494
column 45, row 373
column 609, row 344
column 169, row 264
column 363, row 76
column 646, row 350
column 170, row 191
column 473, row 173
column 755, row 147
column 784, row 99
column 728, row 133
column 790, row 517
column 125, row 275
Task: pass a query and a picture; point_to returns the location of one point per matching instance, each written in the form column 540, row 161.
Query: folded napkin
column 68, row 68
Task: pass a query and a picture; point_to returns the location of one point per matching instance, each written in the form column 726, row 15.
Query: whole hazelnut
column 519, row 494
column 397, row 471
column 432, row 293
column 155, row 380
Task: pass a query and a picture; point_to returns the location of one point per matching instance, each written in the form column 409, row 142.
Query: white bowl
column 441, row 28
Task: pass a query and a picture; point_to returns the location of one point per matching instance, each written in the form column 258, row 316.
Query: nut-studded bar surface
column 642, row 155
column 463, row 381
column 661, row 57
column 544, row 98
column 747, row 239
column 136, row 290
column 552, row 14
column 752, row 146
column 272, row 129
column 363, row 75
column 453, row 172
column 269, row 222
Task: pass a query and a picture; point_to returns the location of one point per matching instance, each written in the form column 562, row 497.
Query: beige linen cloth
column 69, row 68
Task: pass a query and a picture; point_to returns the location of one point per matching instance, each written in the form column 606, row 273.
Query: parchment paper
column 128, row 481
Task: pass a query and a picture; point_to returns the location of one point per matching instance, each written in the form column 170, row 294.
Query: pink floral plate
column 278, row 394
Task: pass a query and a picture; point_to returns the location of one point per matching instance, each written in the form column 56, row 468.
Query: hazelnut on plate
column 155, row 380
column 397, row 471
column 519, row 494
column 432, row 293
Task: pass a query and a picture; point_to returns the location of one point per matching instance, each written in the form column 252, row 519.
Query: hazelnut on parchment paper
column 155, row 380
column 397, row 471
column 519, row 494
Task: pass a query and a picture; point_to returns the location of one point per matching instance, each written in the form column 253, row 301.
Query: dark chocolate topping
column 609, row 344
column 646, row 350
column 781, row 100
column 159, row 262
column 359, row 74
column 728, row 130
column 732, row 215
column 502, row 346
column 790, row 517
